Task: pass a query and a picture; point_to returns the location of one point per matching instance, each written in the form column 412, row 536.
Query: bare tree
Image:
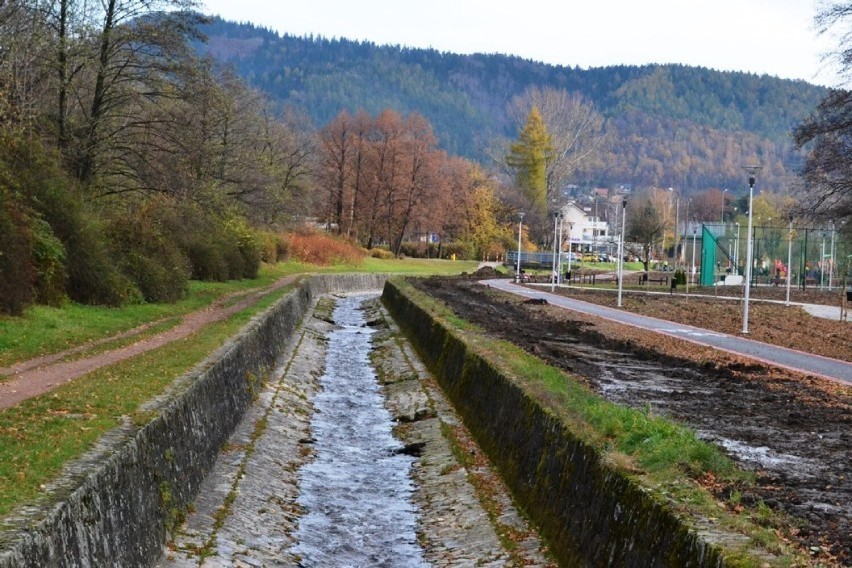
column 113, row 59
column 827, row 134
column 645, row 227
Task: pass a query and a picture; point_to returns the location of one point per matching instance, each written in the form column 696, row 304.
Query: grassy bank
column 666, row 459
column 40, row 435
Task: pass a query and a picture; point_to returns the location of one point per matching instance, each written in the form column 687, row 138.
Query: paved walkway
column 788, row 358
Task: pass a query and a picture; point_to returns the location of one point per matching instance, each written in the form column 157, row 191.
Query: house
column 587, row 233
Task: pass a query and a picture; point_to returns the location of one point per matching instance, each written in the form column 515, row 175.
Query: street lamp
column 518, row 268
column 752, row 171
column 722, row 216
column 570, row 227
column 831, row 264
column 621, row 248
column 692, row 268
column 685, row 225
column 737, row 251
column 677, row 222
column 789, row 260
column 555, row 274
column 559, row 249
column 595, row 227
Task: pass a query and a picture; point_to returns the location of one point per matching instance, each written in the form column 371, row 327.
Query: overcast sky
column 776, row 37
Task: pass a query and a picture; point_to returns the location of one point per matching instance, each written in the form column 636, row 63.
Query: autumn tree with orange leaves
column 384, row 180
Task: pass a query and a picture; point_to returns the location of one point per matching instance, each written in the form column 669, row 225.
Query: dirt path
column 792, row 430
column 39, row 375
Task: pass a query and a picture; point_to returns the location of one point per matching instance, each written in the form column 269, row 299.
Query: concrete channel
column 281, row 495
column 219, row 472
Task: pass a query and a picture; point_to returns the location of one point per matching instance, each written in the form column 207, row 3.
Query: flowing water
column 356, row 490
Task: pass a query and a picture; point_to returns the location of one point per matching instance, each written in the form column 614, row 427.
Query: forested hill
column 673, row 125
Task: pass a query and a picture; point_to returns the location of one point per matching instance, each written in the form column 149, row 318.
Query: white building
column 586, row 232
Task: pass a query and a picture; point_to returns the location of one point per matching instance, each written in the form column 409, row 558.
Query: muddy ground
column 791, row 429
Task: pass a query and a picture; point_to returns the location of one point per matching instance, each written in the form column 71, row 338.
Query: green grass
column 45, row 330
column 40, row 435
column 410, row 266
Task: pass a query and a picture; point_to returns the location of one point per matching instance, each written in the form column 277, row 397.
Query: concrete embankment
column 591, row 513
column 115, row 506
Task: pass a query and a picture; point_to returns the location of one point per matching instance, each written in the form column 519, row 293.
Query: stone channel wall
column 115, row 506
column 590, row 514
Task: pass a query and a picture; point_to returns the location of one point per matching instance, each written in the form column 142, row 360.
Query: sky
column 774, row 37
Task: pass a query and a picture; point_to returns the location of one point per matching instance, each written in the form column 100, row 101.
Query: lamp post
column 559, row 253
column 737, row 250
column 831, row 264
column 595, row 227
column 677, row 210
column 555, row 273
column 621, row 248
column 677, row 222
column 789, row 260
column 722, row 216
column 570, row 227
column 692, row 267
column 752, row 171
column 685, row 225
column 518, row 268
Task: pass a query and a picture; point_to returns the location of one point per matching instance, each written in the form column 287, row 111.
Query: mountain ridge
column 673, row 125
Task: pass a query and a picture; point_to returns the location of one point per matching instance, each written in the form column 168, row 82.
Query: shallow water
column 357, row 489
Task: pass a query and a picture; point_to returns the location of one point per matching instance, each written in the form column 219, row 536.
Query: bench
column 644, row 278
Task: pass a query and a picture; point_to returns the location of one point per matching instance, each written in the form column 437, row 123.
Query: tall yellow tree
column 529, row 157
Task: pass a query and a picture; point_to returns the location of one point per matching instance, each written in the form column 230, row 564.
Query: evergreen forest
column 670, row 125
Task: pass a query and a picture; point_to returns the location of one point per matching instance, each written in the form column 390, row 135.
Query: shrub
column 156, row 264
column 417, row 249
column 17, row 271
column 49, row 257
column 89, row 273
column 207, row 262
column 282, row 248
column 247, row 244
column 267, row 242
column 233, row 259
column 92, row 275
column 323, row 249
column 273, row 246
column 461, row 250
column 381, row 253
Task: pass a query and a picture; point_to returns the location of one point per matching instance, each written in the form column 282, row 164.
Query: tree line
column 128, row 164
column 385, row 178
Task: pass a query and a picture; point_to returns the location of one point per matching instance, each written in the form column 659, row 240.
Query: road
column 788, row 358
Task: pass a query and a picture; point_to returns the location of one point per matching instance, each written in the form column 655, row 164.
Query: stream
column 356, row 490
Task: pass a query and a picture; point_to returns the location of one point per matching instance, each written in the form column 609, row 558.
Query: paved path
column 780, row 356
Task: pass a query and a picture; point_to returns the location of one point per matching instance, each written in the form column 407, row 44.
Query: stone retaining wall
column 590, row 514
column 115, row 506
